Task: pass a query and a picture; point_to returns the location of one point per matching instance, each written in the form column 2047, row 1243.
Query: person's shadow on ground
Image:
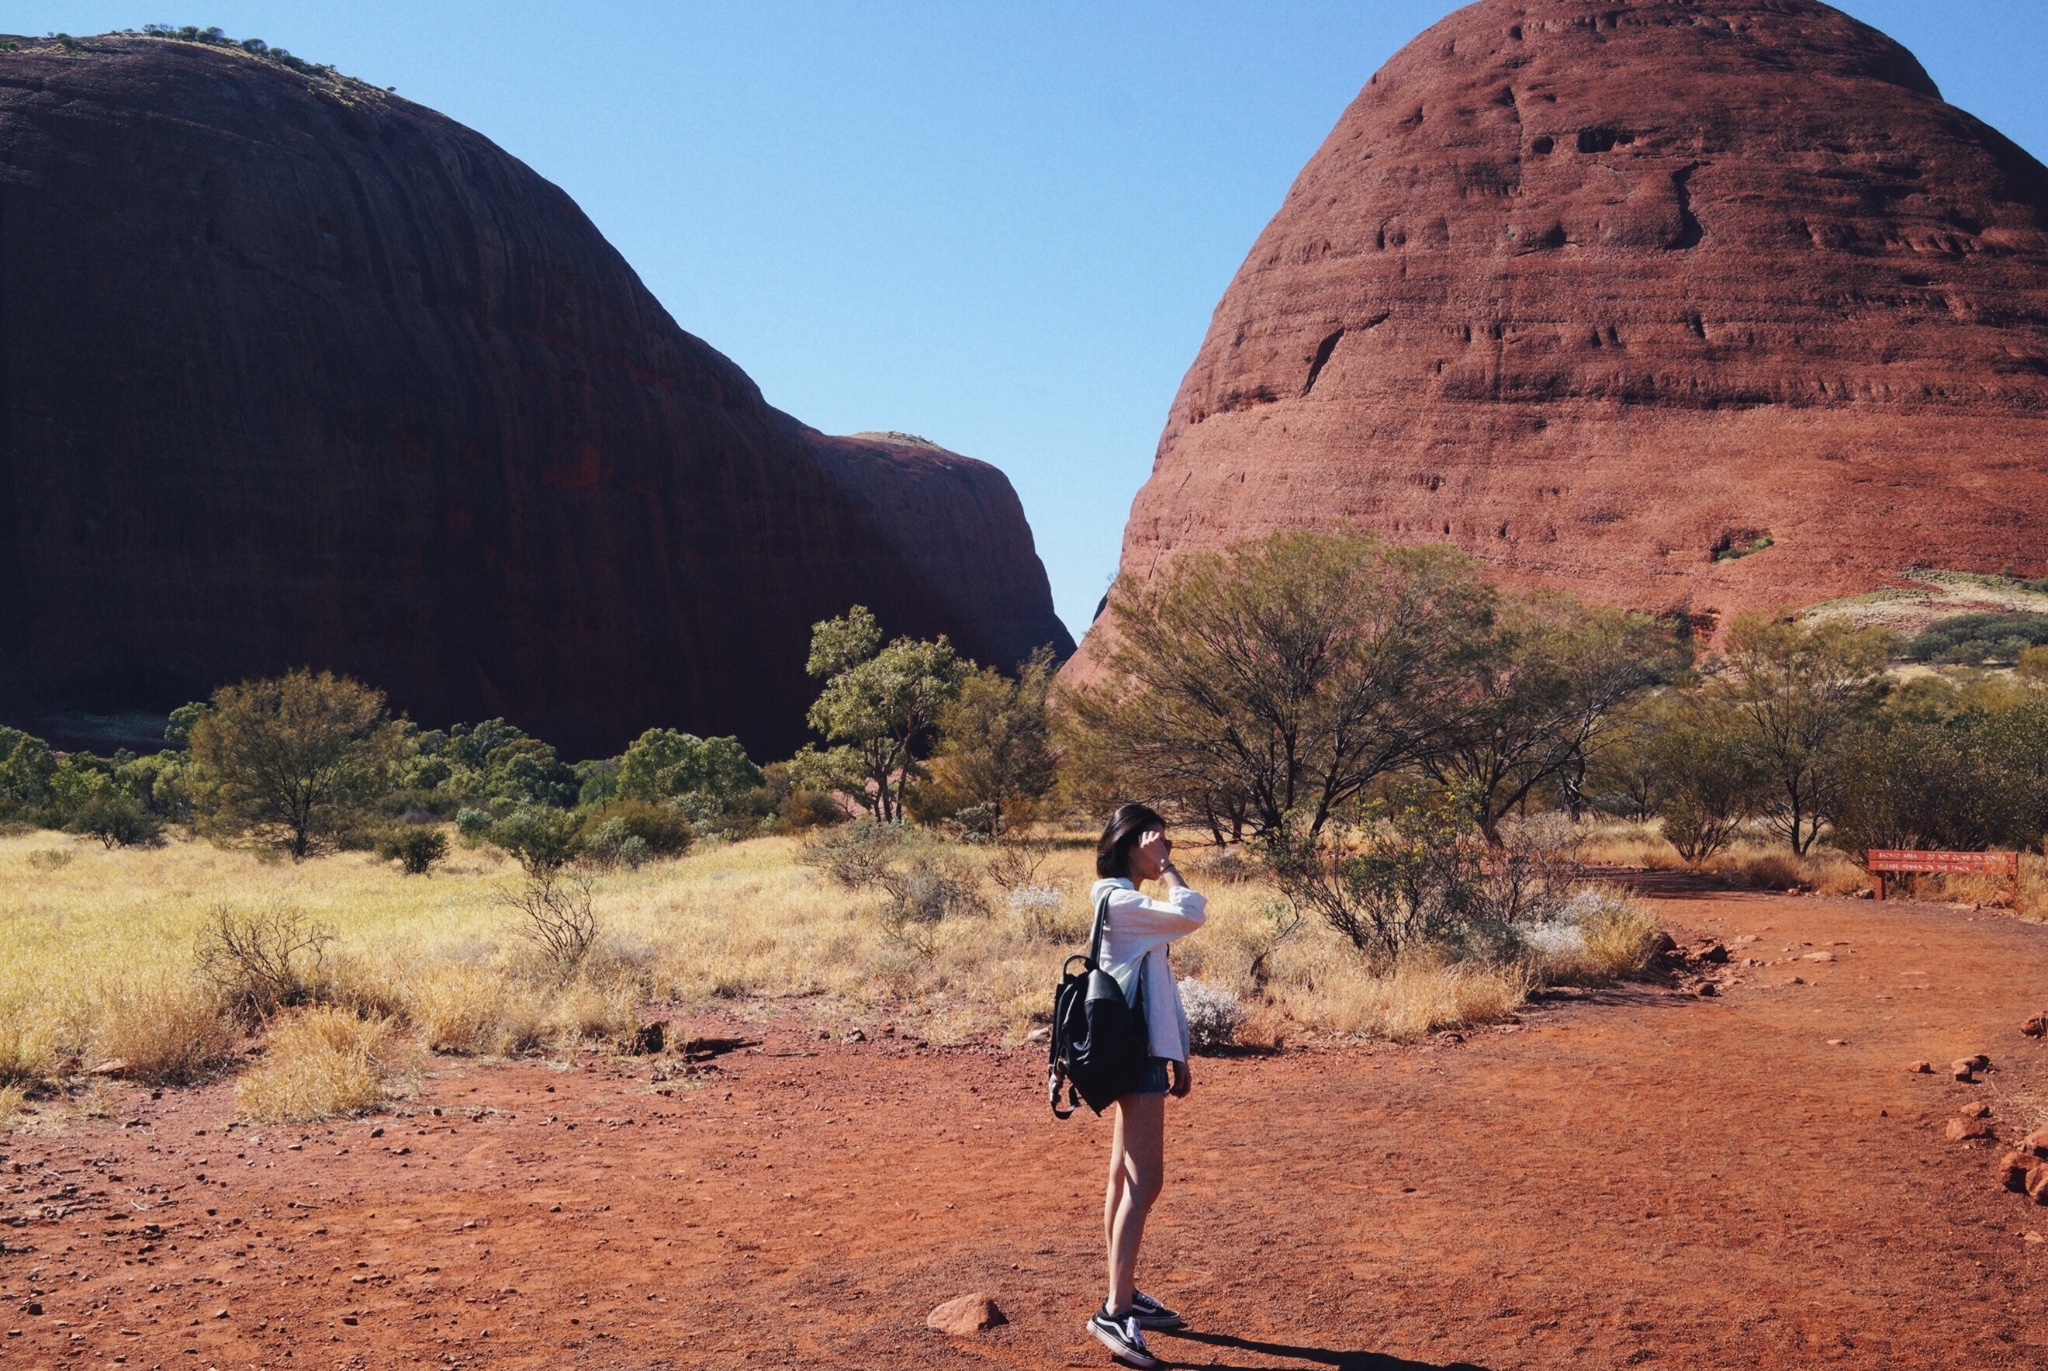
column 1321, row 1356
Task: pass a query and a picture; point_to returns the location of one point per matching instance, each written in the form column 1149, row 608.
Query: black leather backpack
column 1099, row 1041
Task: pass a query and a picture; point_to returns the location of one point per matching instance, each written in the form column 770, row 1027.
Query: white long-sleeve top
column 1138, row 928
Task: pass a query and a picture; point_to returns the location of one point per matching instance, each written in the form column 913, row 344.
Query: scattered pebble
column 2036, row 1027
column 1969, row 1130
column 1920, row 1068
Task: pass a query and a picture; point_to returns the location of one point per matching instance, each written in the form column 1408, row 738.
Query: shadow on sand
column 1319, row 1356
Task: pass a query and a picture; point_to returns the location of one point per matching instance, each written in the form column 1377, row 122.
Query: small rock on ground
column 965, row 1315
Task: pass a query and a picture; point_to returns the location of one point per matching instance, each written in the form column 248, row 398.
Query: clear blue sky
column 1000, row 225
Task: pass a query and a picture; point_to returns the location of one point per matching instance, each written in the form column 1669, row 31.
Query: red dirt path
column 1637, row 1177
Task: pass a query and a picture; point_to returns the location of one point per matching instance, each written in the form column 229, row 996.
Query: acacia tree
column 295, row 758
column 995, row 759
column 1542, row 697
column 1708, row 783
column 1283, row 675
column 1797, row 692
column 879, row 708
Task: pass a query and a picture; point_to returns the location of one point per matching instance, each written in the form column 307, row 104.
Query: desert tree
column 1707, row 783
column 296, row 758
column 995, row 761
column 1950, row 766
column 1541, row 698
column 1797, row 691
column 878, row 710
column 1281, row 676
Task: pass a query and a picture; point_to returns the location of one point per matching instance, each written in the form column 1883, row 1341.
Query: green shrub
column 473, row 824
column 543, row 840
column 664, row 830
column 1980, row 639
column 116, row 820
column 417, row 846
column 609, row 846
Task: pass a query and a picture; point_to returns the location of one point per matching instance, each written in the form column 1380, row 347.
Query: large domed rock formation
column 293, row 371
column 1608, row 292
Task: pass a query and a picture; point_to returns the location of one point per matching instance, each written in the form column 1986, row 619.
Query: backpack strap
column 1099, row 932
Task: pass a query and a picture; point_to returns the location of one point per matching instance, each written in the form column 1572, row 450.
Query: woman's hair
column 1120, row 835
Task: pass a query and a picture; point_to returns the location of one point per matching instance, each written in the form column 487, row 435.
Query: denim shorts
column 1154, row 1079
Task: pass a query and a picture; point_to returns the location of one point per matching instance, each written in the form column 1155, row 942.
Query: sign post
column 1883, row 859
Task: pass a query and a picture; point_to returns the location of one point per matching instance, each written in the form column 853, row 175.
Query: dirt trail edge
column 1638, row 1177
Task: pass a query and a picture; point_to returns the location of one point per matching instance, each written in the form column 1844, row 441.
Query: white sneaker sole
column 1143, row 1360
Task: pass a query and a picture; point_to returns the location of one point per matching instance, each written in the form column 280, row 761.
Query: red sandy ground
column 1636, row 1177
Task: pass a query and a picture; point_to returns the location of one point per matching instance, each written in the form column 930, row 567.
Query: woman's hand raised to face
column 1152, row 855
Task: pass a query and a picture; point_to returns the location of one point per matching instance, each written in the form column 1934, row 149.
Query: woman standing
column 1134, row 849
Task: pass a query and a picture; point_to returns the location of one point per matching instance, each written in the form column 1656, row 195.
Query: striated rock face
column 1597, row 291
column 293, row 371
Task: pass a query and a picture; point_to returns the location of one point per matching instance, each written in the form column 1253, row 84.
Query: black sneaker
column 1122, row 1337
column 1150, row 1313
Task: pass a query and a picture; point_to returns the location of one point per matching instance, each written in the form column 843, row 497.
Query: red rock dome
column 294, row 371
column 1605, row 292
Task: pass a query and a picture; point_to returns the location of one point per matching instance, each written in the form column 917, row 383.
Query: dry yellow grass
column 1755, row 861
column 28, row 1046
column 320, row 1064
column 2027, row 898
column 162, row 1032
column 742, row 925
column 1421, row 995
column 11, row 1097
column 1762, row 865
column 1623, row 843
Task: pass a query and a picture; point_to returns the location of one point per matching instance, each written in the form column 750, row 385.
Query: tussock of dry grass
column 320, row 1064
column 164, row 1032
column 1626, row 844
column 474, row 1011
column 28, row 1048
column 1773, row 866
column 1615, row 939
column 11, row 1099
column 1421, row 995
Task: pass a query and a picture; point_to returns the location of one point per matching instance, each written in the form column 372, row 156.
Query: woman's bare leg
column 1113, row 1194
column 1137, row 1165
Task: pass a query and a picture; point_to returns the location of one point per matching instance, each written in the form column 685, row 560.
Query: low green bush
column 664, row 830
column 1985, row 639
column 114, row 817
column 418, row 847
